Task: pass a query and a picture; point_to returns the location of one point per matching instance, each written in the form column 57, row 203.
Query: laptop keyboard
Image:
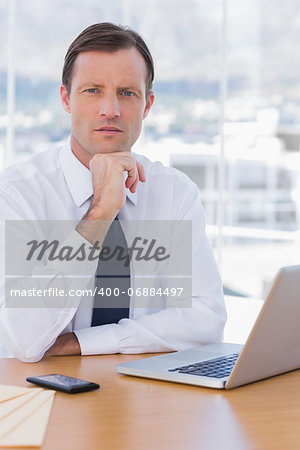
column 216, row 368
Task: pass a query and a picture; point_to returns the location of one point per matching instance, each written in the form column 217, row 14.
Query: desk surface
column 140, row 414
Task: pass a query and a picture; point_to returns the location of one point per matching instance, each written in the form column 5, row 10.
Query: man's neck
column 82, row 155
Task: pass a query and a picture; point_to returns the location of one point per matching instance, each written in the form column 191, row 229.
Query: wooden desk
column 140, row 414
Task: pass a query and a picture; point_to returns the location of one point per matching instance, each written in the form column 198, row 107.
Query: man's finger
column 133, row 186
column 141, row 171
column 133, row 177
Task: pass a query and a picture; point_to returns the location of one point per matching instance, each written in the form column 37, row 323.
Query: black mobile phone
column 63, row 383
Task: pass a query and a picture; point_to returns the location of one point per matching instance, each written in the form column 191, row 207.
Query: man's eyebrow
column 90, row 84
column 101, row 86
column 129, row 88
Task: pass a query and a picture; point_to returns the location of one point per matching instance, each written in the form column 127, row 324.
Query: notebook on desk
column 272, row 348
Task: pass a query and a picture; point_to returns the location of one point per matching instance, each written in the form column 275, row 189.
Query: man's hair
column 106, row 37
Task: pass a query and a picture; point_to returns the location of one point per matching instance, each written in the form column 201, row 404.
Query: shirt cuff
column 98, row 340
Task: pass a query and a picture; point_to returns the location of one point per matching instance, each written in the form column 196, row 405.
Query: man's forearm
column 67, row 344
column 92, row 230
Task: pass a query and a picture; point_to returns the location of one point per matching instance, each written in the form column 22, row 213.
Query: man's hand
column 107, row 171
column 66, row 344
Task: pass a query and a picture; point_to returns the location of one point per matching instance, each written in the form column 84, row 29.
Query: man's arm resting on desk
column 66, row 344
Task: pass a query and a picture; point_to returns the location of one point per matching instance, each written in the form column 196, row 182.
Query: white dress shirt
column 54, row 185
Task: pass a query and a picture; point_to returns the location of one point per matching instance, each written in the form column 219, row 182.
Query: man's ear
column 65, row 101
column 149, row 103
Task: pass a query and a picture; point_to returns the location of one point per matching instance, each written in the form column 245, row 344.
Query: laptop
column 272, row 348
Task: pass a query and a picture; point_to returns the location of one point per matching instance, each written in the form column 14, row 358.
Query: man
column 107, row 90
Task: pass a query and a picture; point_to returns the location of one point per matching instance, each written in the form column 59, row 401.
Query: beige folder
column 24, row 414
column 9, row 392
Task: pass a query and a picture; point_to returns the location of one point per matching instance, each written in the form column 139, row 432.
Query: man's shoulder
column 168, row 193
column 31, row 170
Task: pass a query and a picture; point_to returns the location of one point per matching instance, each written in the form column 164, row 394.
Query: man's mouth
column 108, row 130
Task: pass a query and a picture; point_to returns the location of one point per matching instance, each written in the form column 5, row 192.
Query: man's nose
column 109, row 106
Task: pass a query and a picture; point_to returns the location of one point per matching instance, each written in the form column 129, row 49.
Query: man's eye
column 91, row 90
column 128, row 93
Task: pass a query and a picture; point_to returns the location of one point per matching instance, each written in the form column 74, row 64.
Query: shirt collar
column 74, row 171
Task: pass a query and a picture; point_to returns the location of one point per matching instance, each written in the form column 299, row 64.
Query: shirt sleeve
column 172, row 328
column 30, row 324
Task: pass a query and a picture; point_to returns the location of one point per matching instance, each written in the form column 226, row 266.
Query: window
column 261, row 165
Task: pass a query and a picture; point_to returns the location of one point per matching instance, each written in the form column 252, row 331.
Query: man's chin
column 106, row 150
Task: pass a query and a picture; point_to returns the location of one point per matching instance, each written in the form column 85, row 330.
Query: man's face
column 107, row 102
